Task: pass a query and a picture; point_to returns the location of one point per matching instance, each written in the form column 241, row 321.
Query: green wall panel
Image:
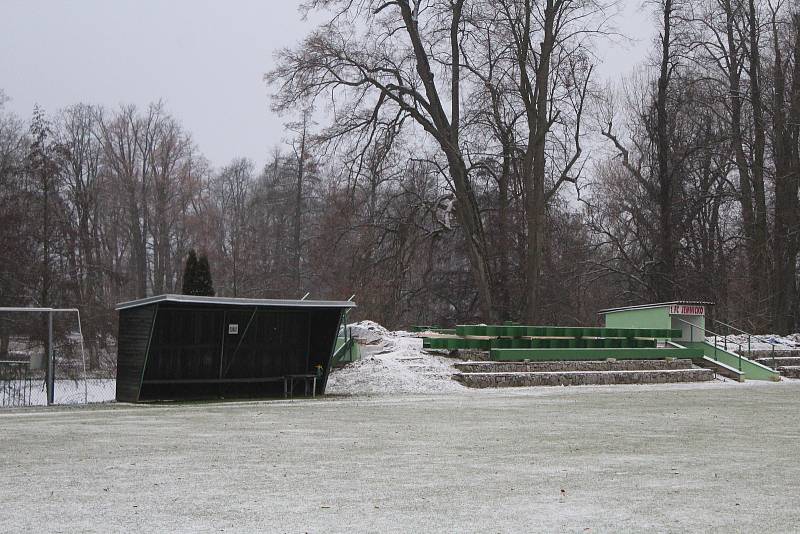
column 593, row 354
column 640, row 318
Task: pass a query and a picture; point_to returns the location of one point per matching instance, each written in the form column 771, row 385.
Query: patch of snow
column 395, row 365
column 758, row 342
column 368, row 332
column 33, row 392
column 428, row 333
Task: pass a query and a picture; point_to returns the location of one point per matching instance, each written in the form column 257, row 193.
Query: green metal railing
column 706, row 331
column 749, row 339
column 345, row 348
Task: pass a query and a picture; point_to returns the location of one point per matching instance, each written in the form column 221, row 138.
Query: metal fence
column 43, row 360
column 16, row 384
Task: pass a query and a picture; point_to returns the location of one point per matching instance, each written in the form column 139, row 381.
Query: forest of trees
column 455, row 160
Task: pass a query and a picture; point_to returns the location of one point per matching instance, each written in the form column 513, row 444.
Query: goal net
column 43, row 361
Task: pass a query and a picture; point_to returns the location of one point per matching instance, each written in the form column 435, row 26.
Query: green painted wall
column 518, row 331
column 546, row 355
column 640, row 318
column 453, row 343
column 694, row 331
column 345, row 356
column 659, row 317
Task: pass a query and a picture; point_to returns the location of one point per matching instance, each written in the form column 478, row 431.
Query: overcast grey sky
column 205, row 59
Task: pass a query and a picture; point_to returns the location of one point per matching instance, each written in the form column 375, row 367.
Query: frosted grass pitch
column 706, row 458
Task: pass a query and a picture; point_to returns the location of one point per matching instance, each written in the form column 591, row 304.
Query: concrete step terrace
column 579, row 378
column 779, row 361
column 563, row 366
column 790, row 371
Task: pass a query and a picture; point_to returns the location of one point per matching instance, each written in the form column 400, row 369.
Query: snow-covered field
column 591, row 459
column 392, row 363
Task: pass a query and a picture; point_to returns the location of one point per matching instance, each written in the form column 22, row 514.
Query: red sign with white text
column 687, row 309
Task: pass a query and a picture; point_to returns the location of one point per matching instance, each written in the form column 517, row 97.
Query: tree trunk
column 45, row 297
column 787, row 167
column 138, row 249
column 468, row 215
column 737, row 138
column 298, row 210
column 503, row 245
column 665, row 279
column 447, row 135
column 535, row 159
column 759, row 231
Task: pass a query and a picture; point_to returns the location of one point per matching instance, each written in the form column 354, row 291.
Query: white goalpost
column 21, row 361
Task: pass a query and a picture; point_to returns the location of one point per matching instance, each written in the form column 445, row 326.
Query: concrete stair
column 787, row 362
column 768, row 354
column 720, row 368
column 790, row 371
column 564, row 366
column 574, row 373
column 780, row 361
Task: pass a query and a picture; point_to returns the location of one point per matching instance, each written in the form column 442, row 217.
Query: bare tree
column 387, row 77
column 786, row 156
column 232, row 192
column 553, row 69
column 43, row 168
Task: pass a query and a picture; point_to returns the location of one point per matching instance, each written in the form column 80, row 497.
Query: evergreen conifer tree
column 205, row 286
column 190, row 274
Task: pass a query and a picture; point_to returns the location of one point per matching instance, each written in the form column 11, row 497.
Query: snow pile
column 395, row 364
column 759, row 342
column 368, row 332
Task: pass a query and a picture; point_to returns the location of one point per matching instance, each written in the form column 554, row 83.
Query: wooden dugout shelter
column 173, row 347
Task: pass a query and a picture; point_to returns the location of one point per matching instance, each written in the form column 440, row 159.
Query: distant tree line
column 472, row 169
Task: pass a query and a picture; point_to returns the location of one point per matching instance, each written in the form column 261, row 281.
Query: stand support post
column 50, row 361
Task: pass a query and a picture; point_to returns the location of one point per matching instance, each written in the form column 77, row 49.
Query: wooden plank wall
column 134, row 333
